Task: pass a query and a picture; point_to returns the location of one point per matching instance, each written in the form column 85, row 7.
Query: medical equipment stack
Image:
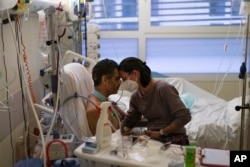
column 103, row 128
column 93, row 44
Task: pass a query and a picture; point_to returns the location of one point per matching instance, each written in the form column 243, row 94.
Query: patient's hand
column 153, row 134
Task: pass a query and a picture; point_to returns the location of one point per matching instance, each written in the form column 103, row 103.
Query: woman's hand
column 126, row 131
column 153, row 134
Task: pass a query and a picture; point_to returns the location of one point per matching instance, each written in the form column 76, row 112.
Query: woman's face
column 124, row 75
column 129, row 80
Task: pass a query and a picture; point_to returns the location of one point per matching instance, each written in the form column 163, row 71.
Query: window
column 173, row 36
column 118, row 49
column 194, row 55
column 195, row 12
column 116, row 14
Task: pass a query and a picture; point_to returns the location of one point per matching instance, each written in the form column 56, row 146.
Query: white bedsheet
column 215, row 122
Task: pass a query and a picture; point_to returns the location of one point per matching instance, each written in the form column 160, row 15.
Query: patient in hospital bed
column 106, row 82
column 157, row 101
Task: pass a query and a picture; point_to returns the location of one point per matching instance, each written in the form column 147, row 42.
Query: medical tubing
column 55, row 89
column 7, row 98
column 5, row 85
column 56, row 106
column 26, row 65
column 48, row 146
column 28, row 92
column 119, row 97
column 118, row 118
column 88, row 99
column 116, row 112
column 109, row 32
column 25, row 59
column 224, row 77
column 218, row 89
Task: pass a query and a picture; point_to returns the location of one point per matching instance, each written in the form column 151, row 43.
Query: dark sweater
column 160, row 107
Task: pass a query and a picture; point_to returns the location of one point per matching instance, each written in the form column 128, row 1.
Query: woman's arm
column 121, row 113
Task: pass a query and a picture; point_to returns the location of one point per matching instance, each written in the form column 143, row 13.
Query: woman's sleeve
column 133, row 116
column 178, row 109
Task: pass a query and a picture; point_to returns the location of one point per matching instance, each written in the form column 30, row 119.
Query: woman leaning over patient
column 157, row 101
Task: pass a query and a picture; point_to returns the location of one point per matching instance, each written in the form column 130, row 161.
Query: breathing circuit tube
column 77, row 95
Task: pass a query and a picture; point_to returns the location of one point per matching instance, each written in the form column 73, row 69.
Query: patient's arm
column 92, row 117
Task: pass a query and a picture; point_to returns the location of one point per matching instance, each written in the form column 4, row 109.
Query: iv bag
column 7, row 4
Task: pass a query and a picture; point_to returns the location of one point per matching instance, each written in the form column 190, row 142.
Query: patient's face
column 114, row 82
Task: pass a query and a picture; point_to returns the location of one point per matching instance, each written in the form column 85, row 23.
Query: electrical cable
column 26, row 122
column 26, row 65
column 26, row 118
column 9, row 115
column 25, row 58
column 29, row 94
column 4, row 86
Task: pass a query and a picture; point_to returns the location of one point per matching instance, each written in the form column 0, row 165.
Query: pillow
column 158, row 75
column 188, row 99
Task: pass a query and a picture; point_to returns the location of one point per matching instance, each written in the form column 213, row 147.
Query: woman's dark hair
column 105, row 67
column 132, row 63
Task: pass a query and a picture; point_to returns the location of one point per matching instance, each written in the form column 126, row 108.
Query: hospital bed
column 215, row 122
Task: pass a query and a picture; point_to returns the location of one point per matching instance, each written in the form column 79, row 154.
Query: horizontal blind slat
column 173, row 11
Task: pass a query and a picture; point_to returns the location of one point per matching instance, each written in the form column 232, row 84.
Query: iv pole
column 244, row 88
column 242, row 75
column 53, row 56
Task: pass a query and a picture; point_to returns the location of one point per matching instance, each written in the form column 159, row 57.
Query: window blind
column 116, row 14
column 195, row 12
